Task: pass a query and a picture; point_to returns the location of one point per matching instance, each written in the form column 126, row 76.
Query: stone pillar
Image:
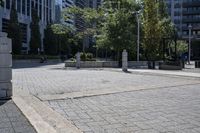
column 78, row 60
column 5, row 66
column 124, row 61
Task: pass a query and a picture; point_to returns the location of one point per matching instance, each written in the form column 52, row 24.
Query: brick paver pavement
column 169, row 104
column 12, row 120
column 56, row 80
column 175, row 110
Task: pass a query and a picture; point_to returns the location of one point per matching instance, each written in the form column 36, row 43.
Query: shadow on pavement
column 21, row 65
column 2, row 102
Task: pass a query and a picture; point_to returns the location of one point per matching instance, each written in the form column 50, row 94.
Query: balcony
column 191, row 4
column 191, row 20
column 195, row 37
column 191, row 12
column 194, row 28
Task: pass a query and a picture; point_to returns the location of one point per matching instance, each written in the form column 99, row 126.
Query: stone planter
column 197, row 64
column 6, row 90
column 93, row 64
column 6, row 60
column 151, row 64
column 170, row 66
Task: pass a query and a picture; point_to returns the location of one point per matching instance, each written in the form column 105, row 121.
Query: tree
column 35, row 42
column 61, row 32
column 1, row 2
column 151, row 30
column 117, row 31
column 14, row 31
column 113, row 25
column 50, row 44
column 89, row 16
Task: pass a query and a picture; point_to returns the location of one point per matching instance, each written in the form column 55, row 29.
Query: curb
column 43, row 118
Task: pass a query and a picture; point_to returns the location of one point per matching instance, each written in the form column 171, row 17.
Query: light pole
column 138, row 36
column 189, row 45
column 137, row 13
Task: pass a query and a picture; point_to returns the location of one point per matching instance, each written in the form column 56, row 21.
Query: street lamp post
column 138, row 37
column 137, row 13
column 189, row 45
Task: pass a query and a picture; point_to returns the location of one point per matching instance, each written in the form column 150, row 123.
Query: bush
column 87, row 57
column 83, row 56
column 172, row 63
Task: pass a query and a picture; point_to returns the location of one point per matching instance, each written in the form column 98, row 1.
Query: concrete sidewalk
column 12, row 120
column 184, row 73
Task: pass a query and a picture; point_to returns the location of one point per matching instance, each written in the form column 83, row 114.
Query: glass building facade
column 44, row 8
column 185, row 13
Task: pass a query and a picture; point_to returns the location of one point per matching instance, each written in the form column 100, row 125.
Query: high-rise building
column 67, row 4
column 76, row 20
column 45, row 10
column 186, row 13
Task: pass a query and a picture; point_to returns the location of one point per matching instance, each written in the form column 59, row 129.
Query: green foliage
column 35, row 41
column 151, row 29
column 14, row 31
column 60, row 29
column 86, row 56
column 89, row 16
column 50, row 44
column 83, row 56
column 59, row 39
column 1, row 2
column 117, row 30
column 182, row 47
column 113, row 25
column 156, row 25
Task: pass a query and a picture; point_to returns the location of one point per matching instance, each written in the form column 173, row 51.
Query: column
column 5, row 66
column 78, row 60
column 124, row 61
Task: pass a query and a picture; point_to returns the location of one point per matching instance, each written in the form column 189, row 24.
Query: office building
column 45, row 10
column 183, row 14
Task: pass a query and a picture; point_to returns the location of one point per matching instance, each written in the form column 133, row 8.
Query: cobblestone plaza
column 157, row 103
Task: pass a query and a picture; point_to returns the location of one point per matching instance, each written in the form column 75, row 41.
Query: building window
column 18, row 5
column 23, row 7
column 5, row 23
column 24, row 32
column 7, row 4
column 28, row 7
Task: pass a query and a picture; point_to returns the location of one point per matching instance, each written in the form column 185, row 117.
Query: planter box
column 111, row 64
column 3, row 34
column 5, row 60
column 5, row 90
column 5, row 74
column 5, row 45
column 197, row 64
column 169, row 67
column 70, row 64
column 137, row 64
column 93, row 64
